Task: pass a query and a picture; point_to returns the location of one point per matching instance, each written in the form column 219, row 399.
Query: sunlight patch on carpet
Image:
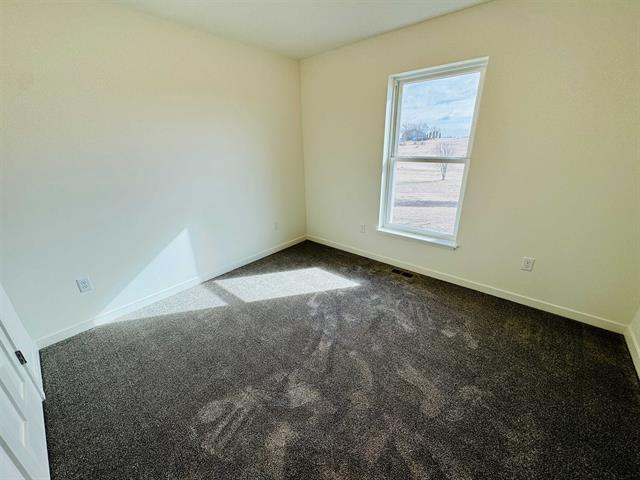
column 284, row 284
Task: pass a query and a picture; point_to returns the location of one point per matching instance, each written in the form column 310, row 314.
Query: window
column 431, row 117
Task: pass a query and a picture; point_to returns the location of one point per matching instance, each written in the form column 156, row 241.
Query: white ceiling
column 298, row 28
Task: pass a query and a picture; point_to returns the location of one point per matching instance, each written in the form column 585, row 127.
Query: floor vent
column 401, row 272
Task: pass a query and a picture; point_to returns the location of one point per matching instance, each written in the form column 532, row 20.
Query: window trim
column 390, row 157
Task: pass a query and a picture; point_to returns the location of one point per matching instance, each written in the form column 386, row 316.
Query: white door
column 23, row 446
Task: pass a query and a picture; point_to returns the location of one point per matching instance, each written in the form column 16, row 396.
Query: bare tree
column 446, row 151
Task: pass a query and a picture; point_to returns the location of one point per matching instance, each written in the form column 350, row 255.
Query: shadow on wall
column 179, row 265
column 176, row 260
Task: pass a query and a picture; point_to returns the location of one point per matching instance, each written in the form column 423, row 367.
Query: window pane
column 436, row 116
column 426, row 195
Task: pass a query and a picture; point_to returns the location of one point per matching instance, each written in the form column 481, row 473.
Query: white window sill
column 441, row 242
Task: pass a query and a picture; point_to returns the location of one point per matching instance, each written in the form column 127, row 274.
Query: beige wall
column 138, row 152
column 635, row 326
column 556, row 169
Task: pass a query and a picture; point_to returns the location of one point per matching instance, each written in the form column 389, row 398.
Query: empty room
column 319, row 239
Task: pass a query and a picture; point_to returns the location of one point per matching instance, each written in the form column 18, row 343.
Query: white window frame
column 390, row 156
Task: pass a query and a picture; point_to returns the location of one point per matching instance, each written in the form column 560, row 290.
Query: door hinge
column 21, row 359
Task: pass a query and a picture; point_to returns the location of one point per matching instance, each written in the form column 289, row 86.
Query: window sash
column 388, row 202
column 392, row 134
column 430, row 159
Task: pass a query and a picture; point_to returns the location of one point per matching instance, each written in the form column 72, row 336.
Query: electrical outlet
column 276, row 226
column 527, row 264
column 84, row 284
column 363, row 229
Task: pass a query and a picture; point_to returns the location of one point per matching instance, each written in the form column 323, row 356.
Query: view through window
column 429, row 134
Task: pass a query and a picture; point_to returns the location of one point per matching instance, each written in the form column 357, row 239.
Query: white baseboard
column 583, row 317
column 112, row 315
column 633, row 344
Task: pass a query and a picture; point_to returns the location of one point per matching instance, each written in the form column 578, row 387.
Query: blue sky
column 446, row 103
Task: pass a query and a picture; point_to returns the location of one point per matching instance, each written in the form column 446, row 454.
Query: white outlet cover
column 527, row 264
column 84, row 284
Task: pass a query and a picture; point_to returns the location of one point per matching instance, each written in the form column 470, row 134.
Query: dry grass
column 454, row 147
column 423, row 200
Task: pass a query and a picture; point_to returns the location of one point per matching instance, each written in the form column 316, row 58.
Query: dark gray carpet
column 396, row 378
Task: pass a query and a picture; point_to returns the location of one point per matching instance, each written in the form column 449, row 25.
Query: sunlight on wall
column 284, row 284
column 175, row 261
